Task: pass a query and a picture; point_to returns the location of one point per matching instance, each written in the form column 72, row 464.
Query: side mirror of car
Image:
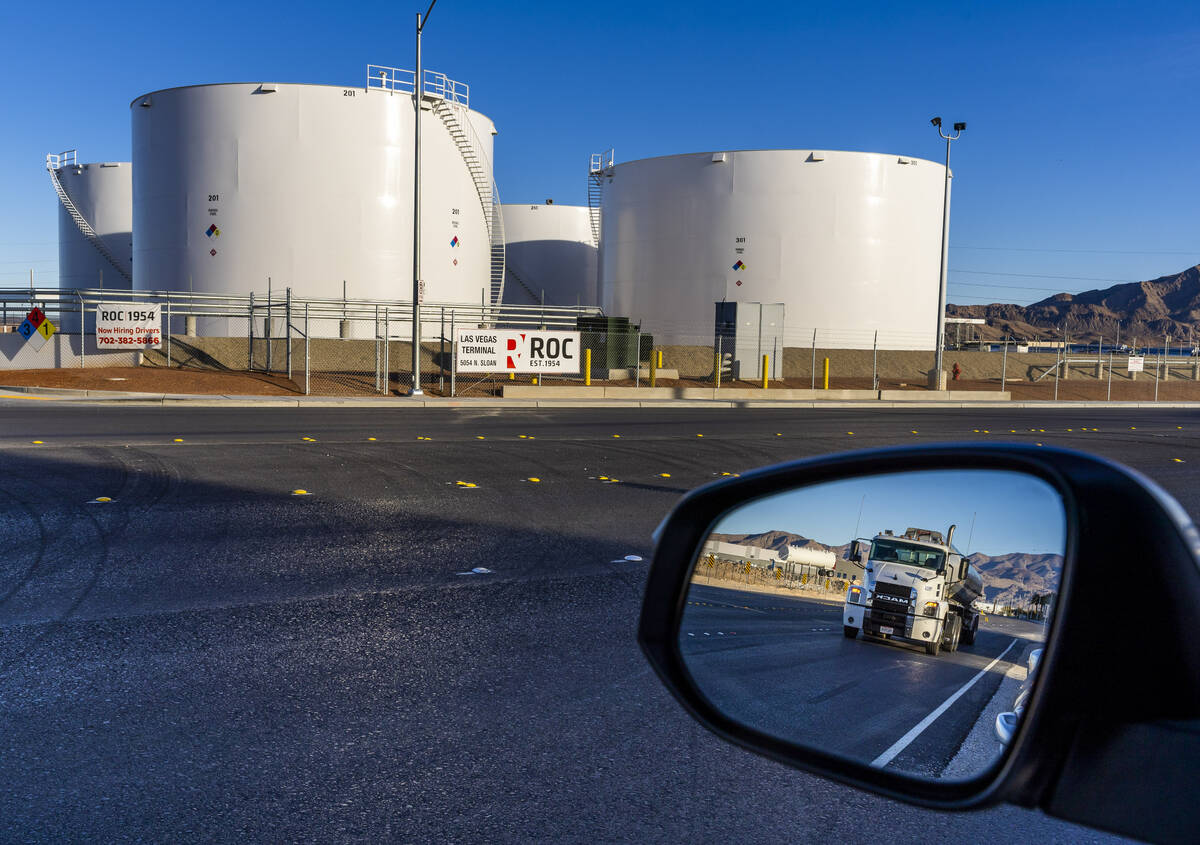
column 895, row 684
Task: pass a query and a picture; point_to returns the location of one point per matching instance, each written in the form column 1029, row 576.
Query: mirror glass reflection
column 894, row 619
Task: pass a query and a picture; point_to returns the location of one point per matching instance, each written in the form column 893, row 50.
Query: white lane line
column 917, row 729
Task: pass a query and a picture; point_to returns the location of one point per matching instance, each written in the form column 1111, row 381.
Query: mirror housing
column 1093, row 712
column 855, row 553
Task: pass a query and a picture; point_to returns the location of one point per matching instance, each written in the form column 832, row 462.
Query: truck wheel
column 968, row 634
column 933, row 648
column 849, row 632
column 955, row 633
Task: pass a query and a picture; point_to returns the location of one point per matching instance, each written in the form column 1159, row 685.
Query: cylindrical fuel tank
column 550, row 253
column 240, row 186
column 102, row 192
column 968, row 589
column 848, row 242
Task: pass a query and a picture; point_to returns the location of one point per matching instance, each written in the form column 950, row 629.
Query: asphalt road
column 208, row 656
column 781, row 664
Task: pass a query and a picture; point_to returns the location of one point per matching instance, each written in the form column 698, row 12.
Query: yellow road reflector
column 779, row 434
column 602, row 477
column 423, row 437
column 100, row 500
column 466, row 484
column 985, row 431
column 309, row 439
column 664, row 475
column 1179, row 426
column 850, row 432
column 178, row 439
column 1070, row 429
column 616, row 435
column 699, row 435
column 1177, row 460
column 39, row 443
column 478, row 436
column 975, row 430
column 301, row 492
column 370, row 438
column 914, row 431
column 1133, row 428
column 533, row 479
column 1037, row 444
column 1012, row 431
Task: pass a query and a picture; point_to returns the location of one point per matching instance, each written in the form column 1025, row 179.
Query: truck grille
column 890, row 606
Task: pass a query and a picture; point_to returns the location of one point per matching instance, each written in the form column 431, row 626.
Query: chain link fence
column 361, row 347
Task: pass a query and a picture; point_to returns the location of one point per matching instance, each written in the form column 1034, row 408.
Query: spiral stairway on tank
column 485, row 187
column 53, row 164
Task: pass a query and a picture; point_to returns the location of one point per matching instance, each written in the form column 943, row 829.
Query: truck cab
column 916, row 588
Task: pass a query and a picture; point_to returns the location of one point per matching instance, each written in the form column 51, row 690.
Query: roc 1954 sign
column 128, row 325
column 515, row 351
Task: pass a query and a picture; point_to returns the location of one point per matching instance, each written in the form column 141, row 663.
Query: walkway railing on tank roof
column 397, row 80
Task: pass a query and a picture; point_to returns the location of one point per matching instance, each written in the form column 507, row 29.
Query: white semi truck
column 916, row 588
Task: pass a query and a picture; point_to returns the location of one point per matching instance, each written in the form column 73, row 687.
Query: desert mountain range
column 1147, row 311
column 1012, row 578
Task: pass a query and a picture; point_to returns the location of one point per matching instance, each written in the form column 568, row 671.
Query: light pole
column 418, row 93
column 936, row 380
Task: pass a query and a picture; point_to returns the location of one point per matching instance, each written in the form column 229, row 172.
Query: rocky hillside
column 1011, row 579
column 1146, row 310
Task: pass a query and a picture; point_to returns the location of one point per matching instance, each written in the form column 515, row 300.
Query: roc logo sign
column 510, row 351
column 36, row 329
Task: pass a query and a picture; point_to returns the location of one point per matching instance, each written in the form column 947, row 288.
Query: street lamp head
column 937, row 121
column 959, row 127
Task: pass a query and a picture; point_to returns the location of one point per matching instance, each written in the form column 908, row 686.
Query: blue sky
column 1078, row 168
column 1010, row 512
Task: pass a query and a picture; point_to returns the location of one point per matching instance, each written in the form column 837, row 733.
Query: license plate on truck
column 884, row 629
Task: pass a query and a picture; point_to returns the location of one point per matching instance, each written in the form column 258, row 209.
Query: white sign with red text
column 128, row 325
column 517, row 351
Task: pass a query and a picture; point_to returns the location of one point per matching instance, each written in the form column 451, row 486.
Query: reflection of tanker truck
column 916, row 588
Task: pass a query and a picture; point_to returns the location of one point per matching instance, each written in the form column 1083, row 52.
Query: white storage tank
column 550, row 249
column 99, row 251
column 310, row 186
column 849, row 242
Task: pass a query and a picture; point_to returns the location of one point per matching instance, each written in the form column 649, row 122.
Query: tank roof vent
column 816, row 156
column 267, row 88
column 718, row 157
column 146, row 102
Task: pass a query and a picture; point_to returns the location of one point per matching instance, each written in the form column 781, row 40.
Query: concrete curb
column 129, row 398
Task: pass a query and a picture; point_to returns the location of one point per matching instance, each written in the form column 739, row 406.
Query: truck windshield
column 904, row 553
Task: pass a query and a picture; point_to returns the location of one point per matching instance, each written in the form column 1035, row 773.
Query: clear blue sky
column 1080, row 159
column 1012, row 512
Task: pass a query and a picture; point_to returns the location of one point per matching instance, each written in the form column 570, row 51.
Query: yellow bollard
column 654, row 365
column 512, row 376
column 587, row 373
column 717, row 368
column 660, row 353
column 825, row 376
column 765, row 370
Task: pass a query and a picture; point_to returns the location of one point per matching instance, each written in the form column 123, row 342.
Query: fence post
column 442, row 356
column 268, row 329
column 387, row 349
column 168, row 332
column 814, row 360
column 307, row 367
column 82, row 333
column 1110, row 357
column 1057, row 371
column 587, row 367
column 765, row 364
column 637, row 359
column 377, row 348
column 1004, row 365
column 717, row 369
column 287, row 319
column 250, row 341
column 453, row 353
column 825, row 375
column 875, row 362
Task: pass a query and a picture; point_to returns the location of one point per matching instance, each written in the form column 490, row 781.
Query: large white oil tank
column 96, row 251
column 244, row 185
column 849, row 242
column 551, row 252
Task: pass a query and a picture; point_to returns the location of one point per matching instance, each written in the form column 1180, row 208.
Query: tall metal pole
column 936, row 380
column 418, row 93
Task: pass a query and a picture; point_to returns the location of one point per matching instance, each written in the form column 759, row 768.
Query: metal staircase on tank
column 516, row 277
column 601, row 166
column 480, row 170
column 54, row 163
